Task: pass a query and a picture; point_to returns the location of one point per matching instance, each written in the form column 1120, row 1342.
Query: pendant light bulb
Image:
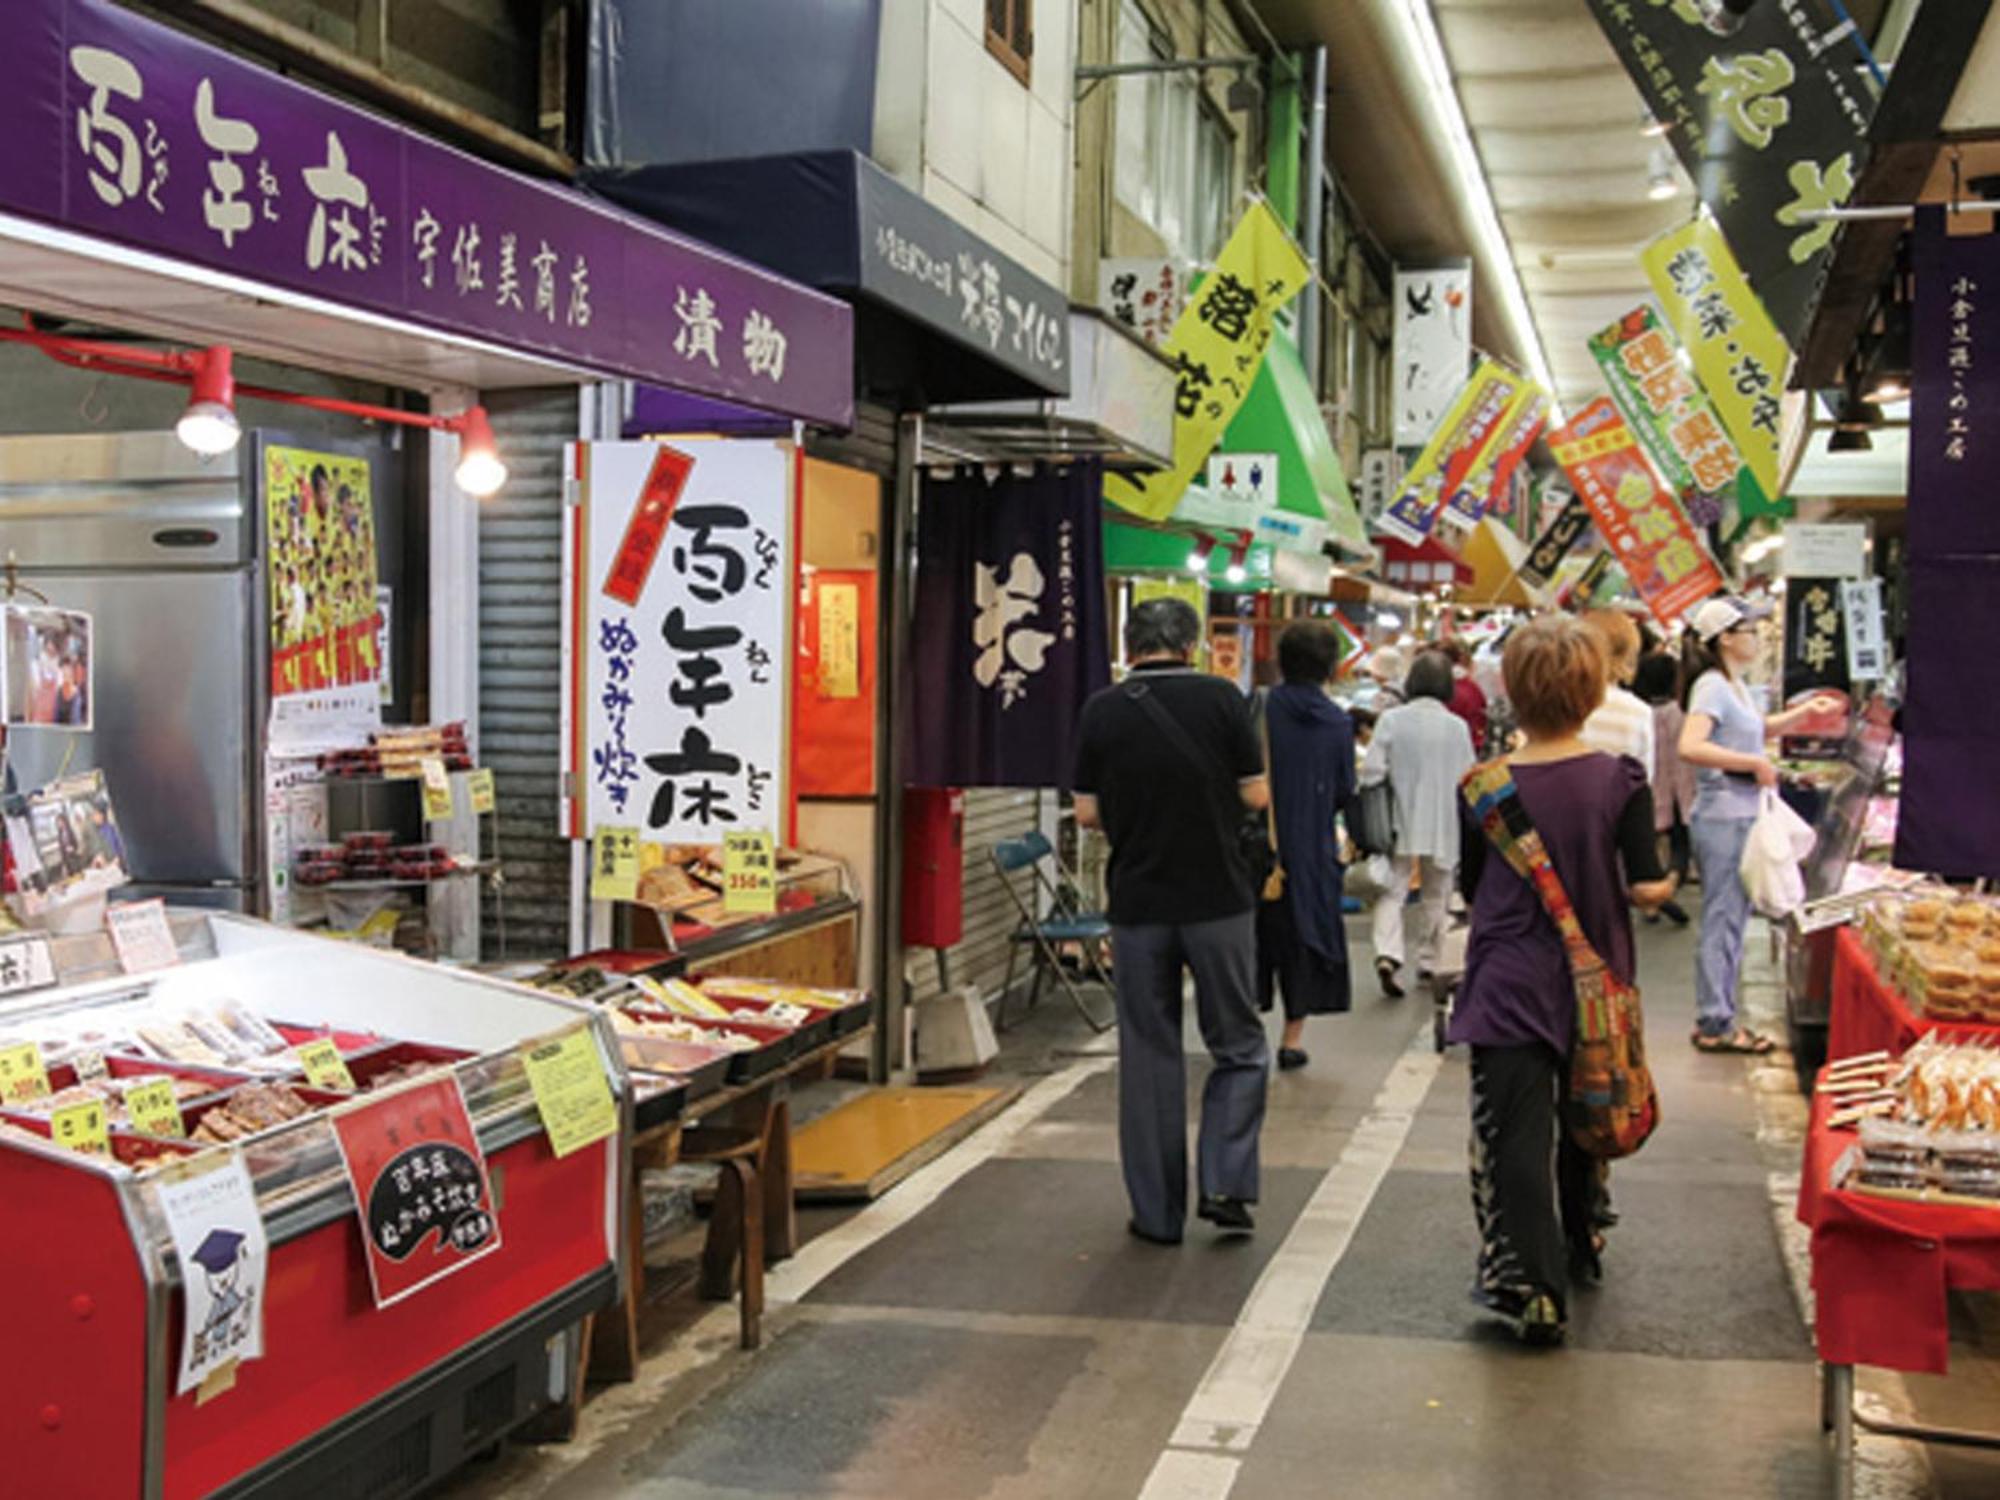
column 208, row 426
column 480, row 472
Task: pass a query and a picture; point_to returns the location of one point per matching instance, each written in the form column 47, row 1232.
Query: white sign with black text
column 1867, row 642
column 683, row 694
column 218, row 1236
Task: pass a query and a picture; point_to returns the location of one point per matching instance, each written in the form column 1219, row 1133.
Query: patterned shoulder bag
column 1612, row 1106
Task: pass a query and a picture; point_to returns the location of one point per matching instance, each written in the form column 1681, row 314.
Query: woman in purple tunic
column 1532, row 1186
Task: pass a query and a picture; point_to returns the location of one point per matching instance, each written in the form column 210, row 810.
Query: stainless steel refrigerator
column 163, row 549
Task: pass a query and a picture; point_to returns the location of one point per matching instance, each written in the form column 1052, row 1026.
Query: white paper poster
column 1835, row 550
column 1146, row 294
column 1433, row 348
column 1867, row 642
column 142, row 936
column 219, row 1241
column 680, row 682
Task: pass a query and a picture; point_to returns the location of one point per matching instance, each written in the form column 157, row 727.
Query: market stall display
column 806, row 933
column 1890, row 988
column 361, row 1122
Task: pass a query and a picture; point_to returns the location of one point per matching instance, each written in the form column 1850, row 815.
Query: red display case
column 348, row 1399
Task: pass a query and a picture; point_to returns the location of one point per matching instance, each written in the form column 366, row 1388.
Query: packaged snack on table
column 1894, row 1154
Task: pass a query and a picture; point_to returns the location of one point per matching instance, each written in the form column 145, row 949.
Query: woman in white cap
column 1723, row 737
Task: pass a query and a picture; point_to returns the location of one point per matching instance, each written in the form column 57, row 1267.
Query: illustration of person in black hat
column 221, row 1258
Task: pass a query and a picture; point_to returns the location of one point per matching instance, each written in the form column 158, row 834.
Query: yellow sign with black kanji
column 1739, row 356
column 1217, row 347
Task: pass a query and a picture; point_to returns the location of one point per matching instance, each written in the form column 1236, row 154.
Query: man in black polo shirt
column 1167, row 766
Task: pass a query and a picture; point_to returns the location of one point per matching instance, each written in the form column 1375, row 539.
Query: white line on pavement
column 1230, row 1404
column 822, row 1257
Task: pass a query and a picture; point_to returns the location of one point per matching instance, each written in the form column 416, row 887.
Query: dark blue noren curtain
column 1949, row 819
column 1010, row 633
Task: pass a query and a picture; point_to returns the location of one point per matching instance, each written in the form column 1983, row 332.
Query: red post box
column 933, row 866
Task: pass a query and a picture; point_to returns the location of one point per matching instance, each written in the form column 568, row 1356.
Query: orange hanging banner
column 1636, row 514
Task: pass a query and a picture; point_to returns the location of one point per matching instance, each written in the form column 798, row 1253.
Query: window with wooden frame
column 1010, row 36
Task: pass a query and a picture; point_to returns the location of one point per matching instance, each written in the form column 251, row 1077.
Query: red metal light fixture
column 209, row 424
column 479, row 471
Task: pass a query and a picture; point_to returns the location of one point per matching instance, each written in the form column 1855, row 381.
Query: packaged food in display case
column 530, row 1238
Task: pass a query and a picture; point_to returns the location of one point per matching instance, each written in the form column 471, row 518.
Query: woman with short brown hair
column 1516, row 1008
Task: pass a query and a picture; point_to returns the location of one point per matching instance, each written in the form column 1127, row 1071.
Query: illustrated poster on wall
column 677, row 711
column 319, row 530
column 46, row 663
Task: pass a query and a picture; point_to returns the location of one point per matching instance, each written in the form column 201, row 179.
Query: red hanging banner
column 1639, row 519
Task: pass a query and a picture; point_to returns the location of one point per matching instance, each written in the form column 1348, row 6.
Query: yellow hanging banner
column 1739, row 356
column 1217, row 346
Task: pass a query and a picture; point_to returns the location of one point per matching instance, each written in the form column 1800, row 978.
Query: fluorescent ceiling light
column 1660, row 184
column 1419, row 35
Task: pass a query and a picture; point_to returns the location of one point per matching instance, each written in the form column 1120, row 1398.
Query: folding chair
column 1065, row 923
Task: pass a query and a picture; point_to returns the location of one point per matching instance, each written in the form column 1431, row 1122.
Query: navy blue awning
column 940, row 314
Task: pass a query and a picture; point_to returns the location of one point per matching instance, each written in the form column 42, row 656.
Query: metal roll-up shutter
column 870, row 446
column 520, row 668
column 991, row 815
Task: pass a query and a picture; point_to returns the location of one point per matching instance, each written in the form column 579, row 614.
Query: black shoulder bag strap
column 1178, row 737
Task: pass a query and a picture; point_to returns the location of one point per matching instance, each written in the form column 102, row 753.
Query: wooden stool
column 736, row 1222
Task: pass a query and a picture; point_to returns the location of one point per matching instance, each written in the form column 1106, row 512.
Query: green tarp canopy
column 1281, row 416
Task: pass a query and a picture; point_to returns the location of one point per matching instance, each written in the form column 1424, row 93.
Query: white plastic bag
column 1778, row 841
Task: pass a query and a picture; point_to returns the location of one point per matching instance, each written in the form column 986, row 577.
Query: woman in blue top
column 1723, row 737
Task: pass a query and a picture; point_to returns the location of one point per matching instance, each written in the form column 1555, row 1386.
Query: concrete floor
column 988, row 1331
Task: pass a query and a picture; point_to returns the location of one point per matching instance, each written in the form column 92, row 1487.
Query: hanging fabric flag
column 1491, row 476
column 1472, row 424
column 1739, row 356
column 1770, row 121
column 1949, row 820
column 1553, row 545
column 1639, row 520
column 1010, row 590
column 1217, row 345
column 1672, row 416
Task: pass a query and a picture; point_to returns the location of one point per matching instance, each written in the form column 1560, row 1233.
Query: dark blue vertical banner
column 1010, row 634
column 1950, row 816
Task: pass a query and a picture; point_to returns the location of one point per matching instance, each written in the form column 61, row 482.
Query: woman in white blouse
column 1421, row 749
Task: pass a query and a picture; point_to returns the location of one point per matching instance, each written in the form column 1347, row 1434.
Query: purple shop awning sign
column 120, row 127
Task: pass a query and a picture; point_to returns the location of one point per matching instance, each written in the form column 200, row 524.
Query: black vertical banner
column 1771, row 123
column 1815, row 636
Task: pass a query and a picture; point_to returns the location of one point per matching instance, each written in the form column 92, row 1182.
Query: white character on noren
column 1009, row 651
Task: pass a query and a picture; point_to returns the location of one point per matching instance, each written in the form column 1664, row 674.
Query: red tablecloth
column 1880, row 1267
column 1870, row 1016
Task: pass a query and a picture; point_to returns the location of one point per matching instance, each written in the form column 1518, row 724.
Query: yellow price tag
column 81, row 1127
column 480, row 785
column 325, row 1068
column 749, row 872
column 575, row 1101
column 22, row 1075
column 154, row 1110
column 614, row 865
column 438, row 802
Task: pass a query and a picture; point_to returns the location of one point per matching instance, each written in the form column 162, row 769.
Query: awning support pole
column 1315, row 227
column 892, row 635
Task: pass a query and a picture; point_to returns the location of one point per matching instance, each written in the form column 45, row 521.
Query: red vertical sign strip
column 1641, row 521
column 647, row 529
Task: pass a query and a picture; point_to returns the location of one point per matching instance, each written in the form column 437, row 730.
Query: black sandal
column 1741, row 1040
